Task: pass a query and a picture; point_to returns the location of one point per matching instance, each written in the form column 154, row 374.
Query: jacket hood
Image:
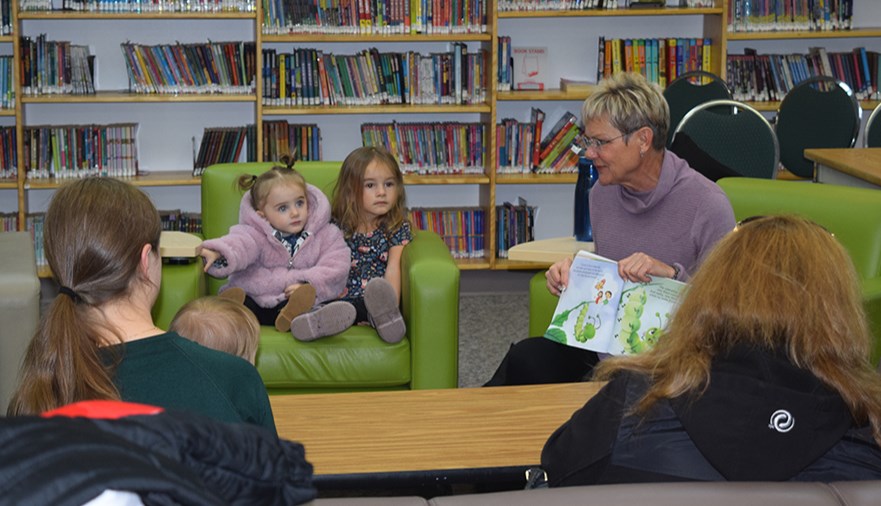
column 759, row 404
column 319, row 212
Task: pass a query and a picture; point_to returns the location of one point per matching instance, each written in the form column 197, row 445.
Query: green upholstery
column 356, row 359
column 852, row 214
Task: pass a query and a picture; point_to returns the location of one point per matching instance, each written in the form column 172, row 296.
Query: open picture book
column 603, row 312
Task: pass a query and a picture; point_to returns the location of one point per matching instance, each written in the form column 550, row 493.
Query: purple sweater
column 259, row 263
column 677, row 222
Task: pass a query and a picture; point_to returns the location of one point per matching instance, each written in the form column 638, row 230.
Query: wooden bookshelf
column 806, row 34
column 666, row 11
column 158, row 178
column 708, row 22
column 127, row 97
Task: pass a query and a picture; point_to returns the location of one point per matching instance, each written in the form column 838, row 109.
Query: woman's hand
column 210, row 256
column 640, row 267
column 558, row 276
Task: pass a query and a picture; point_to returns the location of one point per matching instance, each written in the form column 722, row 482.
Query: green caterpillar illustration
column 637, row 344
column 583, row 331
column 558, row 334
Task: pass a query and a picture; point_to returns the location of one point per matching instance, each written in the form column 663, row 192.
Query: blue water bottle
column 587, row 176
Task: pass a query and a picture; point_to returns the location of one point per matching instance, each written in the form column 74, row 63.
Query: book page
column 586, row 311
column 643, row 311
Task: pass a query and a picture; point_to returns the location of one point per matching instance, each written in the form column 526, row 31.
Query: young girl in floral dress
column 369, row 206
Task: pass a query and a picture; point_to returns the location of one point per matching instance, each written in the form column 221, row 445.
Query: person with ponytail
column 97, row 340
column 284, row 256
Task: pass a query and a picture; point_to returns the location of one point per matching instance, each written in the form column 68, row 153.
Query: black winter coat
column 168, row 458
column 760, row 419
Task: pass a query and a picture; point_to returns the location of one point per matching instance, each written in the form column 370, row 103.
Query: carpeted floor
column 488, row 324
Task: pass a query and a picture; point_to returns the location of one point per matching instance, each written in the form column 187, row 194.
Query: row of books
column 8, row 153
column 431, row 148
column 768, row 77
column 774, row 15
column 54, row 67
column 136, row 6
column 222, row 145
column 561, row 5
column 6, row 17
column 73, row 151
column 313, row 77
column 212, row 67
column 462, row 229
column 374, row 16
column 658, row 60
column 9, row 222
column 521, row 149
column 515, row 224
column 179, row 221
column 34, row 224
column 302, row 141
column 7, row 86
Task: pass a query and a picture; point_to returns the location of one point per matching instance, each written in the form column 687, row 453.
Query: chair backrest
column 221, row 195
column 689, row 90
column 820, row 112
column 735, row 135
column 852, row 214
column 872, row 135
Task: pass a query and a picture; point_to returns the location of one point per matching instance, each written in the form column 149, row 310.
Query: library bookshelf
column 486, row 189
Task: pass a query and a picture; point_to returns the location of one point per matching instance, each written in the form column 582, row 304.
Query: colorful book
column 601, row 311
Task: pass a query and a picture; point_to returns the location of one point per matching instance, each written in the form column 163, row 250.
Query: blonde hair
column 260, row 186
column 347, row 207
column 777, row 283
column 219, row 323
column 629, row 102
column 94, row 233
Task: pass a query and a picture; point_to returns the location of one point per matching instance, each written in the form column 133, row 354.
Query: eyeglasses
column 759, row 217
column 585, row 142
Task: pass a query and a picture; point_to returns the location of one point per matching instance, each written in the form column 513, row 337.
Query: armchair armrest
column 430, row 303
column 872, row 300
column 541, row 305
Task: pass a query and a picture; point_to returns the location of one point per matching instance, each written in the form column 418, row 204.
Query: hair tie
column 70, row 293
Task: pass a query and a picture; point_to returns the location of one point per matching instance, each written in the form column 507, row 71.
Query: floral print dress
column 370, row 257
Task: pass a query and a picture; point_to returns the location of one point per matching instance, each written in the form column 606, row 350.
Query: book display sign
column 530, row 67
column 603, row 312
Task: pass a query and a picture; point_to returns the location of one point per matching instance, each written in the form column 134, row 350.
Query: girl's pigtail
column 246, row 181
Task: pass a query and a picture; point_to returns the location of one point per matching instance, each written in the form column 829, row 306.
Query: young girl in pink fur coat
column 285, row 255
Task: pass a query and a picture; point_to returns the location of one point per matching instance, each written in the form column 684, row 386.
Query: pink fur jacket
column 259, row 263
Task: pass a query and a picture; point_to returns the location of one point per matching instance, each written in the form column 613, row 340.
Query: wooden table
column 427, row 434
column 548, row 251
column 860, row 167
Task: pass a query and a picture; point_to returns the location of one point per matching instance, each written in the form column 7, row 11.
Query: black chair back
column 819, row 112
column 689, row 90
column 735, row 135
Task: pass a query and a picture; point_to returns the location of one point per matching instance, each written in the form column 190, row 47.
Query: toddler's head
column 219, row 323
column 279, row 196
column 369, row 192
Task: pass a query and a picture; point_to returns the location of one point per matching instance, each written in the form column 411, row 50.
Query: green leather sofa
column 852, row 214
column 357, row 359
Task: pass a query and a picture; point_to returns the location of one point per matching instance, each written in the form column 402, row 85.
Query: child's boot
column 234, row 294
column 301, row 300
column 382, row 308
column 324, row 321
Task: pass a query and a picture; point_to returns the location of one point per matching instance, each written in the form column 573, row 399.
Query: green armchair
column 357, row 359
column 852, row 214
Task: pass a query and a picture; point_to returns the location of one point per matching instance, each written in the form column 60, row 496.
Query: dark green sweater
column 173, row 372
